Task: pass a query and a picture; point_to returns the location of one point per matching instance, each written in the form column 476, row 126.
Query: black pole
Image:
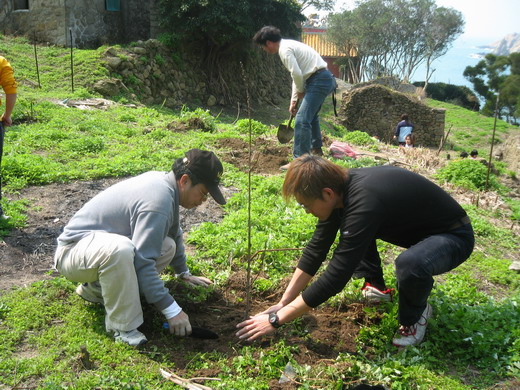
column 492, row 141
column 36, row 60
column 71, row 61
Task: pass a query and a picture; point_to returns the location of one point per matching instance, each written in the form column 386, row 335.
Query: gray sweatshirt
column 145, row 209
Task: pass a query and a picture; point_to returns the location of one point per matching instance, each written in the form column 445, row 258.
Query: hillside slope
column 64, row 148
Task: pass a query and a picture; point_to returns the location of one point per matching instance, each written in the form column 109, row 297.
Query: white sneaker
column 414, row 334
column 2, row 215
column 373, row 294
column 90, row 292
column 133, row 337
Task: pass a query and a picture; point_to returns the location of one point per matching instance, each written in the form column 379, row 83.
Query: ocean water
column 450, row 67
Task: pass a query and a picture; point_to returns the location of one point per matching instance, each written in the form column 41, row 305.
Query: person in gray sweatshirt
column 118, row 243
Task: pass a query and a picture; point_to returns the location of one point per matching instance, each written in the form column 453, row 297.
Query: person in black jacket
column 365, row 205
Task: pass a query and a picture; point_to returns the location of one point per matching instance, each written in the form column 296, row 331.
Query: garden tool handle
column 290, row 120
column 292, row 116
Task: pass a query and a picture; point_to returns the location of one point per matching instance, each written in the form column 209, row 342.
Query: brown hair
column 411, row 136
column 308, row 175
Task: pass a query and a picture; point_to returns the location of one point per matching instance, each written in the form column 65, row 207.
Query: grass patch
column 43, row 327
column 471, row 130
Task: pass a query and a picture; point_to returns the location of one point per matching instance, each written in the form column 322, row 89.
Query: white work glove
column 180, row 325
column 195, row 280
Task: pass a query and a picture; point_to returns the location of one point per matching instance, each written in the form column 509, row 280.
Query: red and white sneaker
column 414, row 334
column 373, row 294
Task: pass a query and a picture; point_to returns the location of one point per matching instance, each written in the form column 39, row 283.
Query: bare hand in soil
column 180, row 325
column 272, row 309
column 197, row 280
column 254, row 327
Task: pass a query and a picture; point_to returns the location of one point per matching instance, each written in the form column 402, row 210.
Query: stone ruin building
column 377, row 109
column 91, row 23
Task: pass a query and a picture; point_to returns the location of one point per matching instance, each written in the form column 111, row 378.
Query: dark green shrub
column 454, row 94
column 467, row 173
column 257, row 128
column 481, row 334
column 359, row 138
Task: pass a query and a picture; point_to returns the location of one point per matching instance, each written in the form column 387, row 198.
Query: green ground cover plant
column 472, row 342
column 469, row 174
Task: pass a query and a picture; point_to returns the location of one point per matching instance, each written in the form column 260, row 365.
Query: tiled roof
column 315, row 38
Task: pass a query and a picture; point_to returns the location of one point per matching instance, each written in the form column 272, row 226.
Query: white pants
column 109, row 259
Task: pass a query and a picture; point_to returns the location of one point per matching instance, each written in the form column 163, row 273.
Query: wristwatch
column 273, row 320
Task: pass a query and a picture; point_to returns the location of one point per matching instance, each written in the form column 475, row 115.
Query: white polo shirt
column 301, row 61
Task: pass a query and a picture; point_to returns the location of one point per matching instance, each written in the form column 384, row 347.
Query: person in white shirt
column 312, row 83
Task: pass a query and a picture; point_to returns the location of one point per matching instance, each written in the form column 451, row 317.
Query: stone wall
column 148, row 70
column 50, row 21
column 44, row 20
column 91, row 24
column 135, row 24
column 155, row 15
column 263, row 76
column 153, row 74
column 376, row 110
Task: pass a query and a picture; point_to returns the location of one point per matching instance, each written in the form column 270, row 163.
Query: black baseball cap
column 207, row 169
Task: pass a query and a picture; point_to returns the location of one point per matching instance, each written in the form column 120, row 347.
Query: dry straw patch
column 427, row 162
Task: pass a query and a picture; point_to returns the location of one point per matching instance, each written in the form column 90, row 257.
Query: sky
column 486, row 20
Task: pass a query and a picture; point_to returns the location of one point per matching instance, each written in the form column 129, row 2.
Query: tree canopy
column 222, row 25
column 318, row 5
column 220, row 31
column 454, row 94
column 498, row 77
column 393, row 37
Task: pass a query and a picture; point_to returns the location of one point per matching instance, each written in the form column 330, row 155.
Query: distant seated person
column 402, row 129
column 463, row 154
column 409, row 141
column 474, row 154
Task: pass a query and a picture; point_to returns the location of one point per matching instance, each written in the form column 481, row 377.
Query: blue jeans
column 416, row 266
column 307, row 133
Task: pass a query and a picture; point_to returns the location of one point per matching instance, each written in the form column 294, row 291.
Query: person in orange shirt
column 8, row 83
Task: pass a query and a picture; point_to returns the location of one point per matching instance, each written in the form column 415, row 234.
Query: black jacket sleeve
column 316, row 250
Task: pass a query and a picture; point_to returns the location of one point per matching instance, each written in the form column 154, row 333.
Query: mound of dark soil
column 267, row 155
column 321, row 335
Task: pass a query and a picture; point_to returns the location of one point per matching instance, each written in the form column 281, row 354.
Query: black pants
column 416, row 266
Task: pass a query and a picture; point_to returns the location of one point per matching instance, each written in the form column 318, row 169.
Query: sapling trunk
column 249, row 257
